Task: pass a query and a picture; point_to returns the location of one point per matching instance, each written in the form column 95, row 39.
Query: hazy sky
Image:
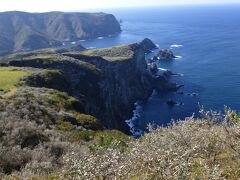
column 70, row 5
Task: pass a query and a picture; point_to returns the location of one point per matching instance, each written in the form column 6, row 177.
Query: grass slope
column 116, row 53
column 10, row 77
column 28, row 31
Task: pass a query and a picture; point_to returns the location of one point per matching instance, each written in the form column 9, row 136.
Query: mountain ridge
column 22, row 31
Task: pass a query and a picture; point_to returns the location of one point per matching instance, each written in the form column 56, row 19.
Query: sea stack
column 147, row 45
column 165, row 54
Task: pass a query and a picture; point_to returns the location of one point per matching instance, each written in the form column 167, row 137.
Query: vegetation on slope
column 35, row 120
column 119, row 53
column 206, row 148
column 39, row 123
column 28, row 31
column 53, row 79
column 10, row 77
column 28, row 56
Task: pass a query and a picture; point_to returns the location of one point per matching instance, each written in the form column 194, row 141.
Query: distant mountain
column 28, row 31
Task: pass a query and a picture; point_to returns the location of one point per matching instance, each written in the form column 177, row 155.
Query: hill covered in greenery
column 28, row 31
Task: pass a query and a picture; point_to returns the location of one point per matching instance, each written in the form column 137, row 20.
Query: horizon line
column 122, row 7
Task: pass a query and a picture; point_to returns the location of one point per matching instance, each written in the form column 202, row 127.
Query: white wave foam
column 82, row 40
column 178, row 57
column 157, row 45
column 63, row 44
column 136, row 115
column 100, row 38
column 180, row 74
column 162, row 69
column 73, row 42
column 176, row 45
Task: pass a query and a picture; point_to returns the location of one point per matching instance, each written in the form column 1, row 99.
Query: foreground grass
column 10, row 77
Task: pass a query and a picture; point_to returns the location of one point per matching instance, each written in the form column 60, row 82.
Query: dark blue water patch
column 157, row 111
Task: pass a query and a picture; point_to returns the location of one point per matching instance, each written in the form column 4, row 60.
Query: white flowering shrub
column 196, row 148
column 207, row 148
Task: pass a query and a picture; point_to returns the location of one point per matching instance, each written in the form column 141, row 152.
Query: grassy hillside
column 28, row 31
column 119, row 53
column 10, row 77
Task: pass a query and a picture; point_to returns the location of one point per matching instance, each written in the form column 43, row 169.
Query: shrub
column 206, row 148
column 83, row 135
column 13, row 159
column 65, row 126
column 53, row 79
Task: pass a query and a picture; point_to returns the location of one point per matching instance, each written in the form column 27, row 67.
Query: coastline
column 138, row 106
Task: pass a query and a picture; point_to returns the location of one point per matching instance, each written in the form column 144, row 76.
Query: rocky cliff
column 27, row 31
column 124, row 82
column 106, row 81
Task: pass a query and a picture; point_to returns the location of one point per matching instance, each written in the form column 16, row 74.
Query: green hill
column 27, row 31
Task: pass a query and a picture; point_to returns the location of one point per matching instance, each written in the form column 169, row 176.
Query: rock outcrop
column 28, row 31
column 147, row 45
column 161, row 84
column 169, row 73
column 153, row 68
column 165, row 54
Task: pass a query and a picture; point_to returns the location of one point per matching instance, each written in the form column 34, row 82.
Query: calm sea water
column 210, row 39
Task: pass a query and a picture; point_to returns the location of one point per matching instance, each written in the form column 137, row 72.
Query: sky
column 73, row 5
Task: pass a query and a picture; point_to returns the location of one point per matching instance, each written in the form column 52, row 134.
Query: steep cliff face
column 27, row 31
column 124, row 82
column 108, row 85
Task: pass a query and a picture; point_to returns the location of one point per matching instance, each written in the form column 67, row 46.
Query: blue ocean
column 207, row 41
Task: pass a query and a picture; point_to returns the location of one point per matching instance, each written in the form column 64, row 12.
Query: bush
column 53, row 79
column 13, row 159
column 206, row 148
column 83, row 135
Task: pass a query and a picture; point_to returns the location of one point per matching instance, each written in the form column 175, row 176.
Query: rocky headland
column 107, row 81
column 21, row 31
column 147, row 45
